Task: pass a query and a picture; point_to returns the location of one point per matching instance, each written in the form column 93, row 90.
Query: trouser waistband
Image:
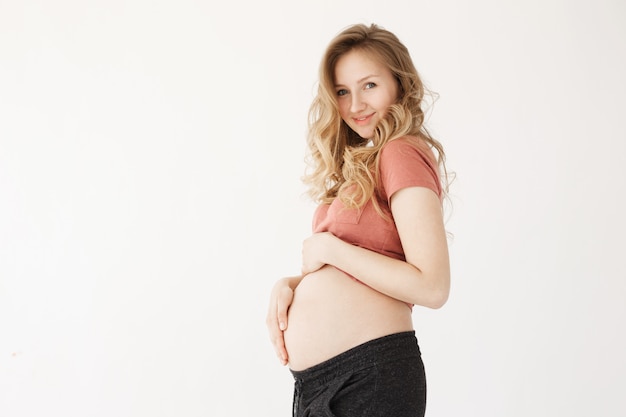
column 381, row 350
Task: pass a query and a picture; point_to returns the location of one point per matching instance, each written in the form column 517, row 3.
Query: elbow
column 431, row 288
column 438, row 294
column 438, row 299
column 434, row 299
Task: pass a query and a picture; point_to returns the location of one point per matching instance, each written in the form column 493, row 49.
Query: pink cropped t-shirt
column 404, row 162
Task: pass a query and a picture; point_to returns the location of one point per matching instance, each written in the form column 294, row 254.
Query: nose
column 356, row 104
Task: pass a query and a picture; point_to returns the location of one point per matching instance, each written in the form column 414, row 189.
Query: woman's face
column 365, row 89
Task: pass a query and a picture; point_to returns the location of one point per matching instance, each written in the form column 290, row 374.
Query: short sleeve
column 408, row 162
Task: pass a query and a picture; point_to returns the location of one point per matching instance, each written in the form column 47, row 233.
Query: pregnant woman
column 379, row 246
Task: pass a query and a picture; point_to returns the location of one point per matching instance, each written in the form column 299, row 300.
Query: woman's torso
column 332, row 313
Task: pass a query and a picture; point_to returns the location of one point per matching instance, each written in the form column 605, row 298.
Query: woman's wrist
column 331, row 247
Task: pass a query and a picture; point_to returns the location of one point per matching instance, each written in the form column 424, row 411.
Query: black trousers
column 382, row 377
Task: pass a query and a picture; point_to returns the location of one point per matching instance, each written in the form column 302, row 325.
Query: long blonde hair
column 340, row 163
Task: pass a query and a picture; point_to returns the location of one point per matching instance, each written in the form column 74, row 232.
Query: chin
column 365, row 133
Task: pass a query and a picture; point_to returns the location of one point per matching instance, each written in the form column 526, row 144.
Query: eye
column 370, row 85
column 342, row 92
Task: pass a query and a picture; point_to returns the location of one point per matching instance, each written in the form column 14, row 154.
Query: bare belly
column 332, row 313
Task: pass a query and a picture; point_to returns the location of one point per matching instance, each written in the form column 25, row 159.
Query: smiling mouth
column 362, row 120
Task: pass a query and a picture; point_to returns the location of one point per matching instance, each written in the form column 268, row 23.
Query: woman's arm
column 424, row 279
column 276, row 320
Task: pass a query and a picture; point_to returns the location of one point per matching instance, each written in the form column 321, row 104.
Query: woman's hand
column 276, row 321
column 315, row 250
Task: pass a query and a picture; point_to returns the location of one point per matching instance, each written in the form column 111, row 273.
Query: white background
column 150, row 195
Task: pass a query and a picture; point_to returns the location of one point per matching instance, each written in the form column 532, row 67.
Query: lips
column 363, row 120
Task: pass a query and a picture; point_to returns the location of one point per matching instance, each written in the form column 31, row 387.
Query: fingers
column 279, row 348
column 277, row 321
column 285, row 296
column 309, row 268
column 276, row 337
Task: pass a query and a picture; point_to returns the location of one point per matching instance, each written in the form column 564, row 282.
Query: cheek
column 385, row 104
column 343, row 107
column 393, row 98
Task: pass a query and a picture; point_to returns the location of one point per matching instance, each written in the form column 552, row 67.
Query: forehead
column 356, row 64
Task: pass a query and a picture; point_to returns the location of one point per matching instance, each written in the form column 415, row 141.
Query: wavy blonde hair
column 340, row 163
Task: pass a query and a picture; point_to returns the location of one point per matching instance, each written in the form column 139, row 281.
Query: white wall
column 150, row 155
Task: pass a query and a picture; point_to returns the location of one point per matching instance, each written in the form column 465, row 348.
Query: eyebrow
column 360, row 80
